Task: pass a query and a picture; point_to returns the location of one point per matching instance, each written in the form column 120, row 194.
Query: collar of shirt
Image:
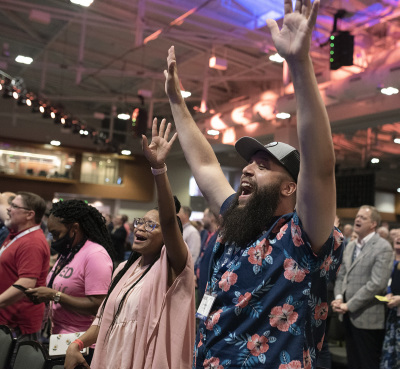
column 360, row 243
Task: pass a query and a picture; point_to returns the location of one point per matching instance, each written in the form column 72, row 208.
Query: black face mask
column 63, row 245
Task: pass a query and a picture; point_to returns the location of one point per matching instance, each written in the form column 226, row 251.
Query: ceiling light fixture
column 126, row 152
column 283, row 115
column 218, row 63
column 276, row 58
column 374, row 160
column 23, row 59
column 123, row 116
column 55, row 143
column 389, row 91
column 397, row 141
column 213, row 132
column 82, row 2
column 186, row 94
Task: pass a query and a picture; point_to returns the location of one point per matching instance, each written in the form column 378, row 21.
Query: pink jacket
column 165, row 331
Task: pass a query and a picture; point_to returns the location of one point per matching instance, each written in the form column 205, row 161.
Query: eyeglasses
column 13, row 206
column 149, row 226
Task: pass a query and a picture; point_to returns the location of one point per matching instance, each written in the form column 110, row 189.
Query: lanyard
column 24, row 233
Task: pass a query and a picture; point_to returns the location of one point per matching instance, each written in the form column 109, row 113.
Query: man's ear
column 31, row 215
column 288, row 188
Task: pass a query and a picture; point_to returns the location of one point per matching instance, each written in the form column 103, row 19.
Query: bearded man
column 265, row 302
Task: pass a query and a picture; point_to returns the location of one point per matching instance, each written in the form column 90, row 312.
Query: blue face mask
column 63, row 245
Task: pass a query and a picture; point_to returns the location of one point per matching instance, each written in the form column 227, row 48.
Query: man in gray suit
column 364, row 273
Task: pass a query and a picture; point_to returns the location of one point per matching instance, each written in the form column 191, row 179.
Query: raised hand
column 293, row 40
column 158, row 150
column 172, row 86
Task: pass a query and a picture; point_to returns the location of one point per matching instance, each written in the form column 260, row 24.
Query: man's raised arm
column 198, row 152
column 316, row 193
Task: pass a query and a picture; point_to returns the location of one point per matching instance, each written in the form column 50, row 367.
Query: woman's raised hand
column 157, row 151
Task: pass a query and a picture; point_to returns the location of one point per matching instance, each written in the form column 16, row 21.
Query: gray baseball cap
column 287, row 155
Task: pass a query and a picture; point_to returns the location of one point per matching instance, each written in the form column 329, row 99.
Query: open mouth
column 140, row 238
column 246, row 189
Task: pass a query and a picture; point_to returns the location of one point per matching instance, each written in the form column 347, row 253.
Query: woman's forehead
column 152, row 215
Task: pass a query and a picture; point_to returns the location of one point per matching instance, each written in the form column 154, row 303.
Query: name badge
column 205, row 306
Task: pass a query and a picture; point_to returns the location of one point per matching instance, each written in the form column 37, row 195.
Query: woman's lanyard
column 22, row 234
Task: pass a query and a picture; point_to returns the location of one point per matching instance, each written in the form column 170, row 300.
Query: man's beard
column 243, row 225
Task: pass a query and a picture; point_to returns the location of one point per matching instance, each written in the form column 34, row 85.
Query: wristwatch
column 57, row 297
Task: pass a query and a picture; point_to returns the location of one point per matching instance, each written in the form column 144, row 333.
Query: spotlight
column 283, row 115
column 389, row 91
column 276, row 58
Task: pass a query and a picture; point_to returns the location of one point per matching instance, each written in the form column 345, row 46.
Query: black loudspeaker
column 341, row 49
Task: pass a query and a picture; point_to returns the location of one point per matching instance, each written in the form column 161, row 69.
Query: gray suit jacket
column 366, row 277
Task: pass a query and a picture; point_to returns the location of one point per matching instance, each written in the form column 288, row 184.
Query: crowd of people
column 258, row 273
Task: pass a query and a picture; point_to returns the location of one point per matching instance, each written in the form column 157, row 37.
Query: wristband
column 162, row 170
column 80, row 344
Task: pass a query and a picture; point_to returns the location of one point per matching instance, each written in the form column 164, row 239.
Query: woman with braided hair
column 79, row 280
column 148, row 317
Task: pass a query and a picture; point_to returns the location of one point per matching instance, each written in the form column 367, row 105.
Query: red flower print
column 321, row 311
column 293, row 272
column 319, row 346
column 283, row 317
column 212, row 363
column 307, row 359
column 282, row 232
column 278, row 226
column 228, row 279
column 296, row 235
column 259, row 252
column 326, row 263
column 258, row 345
column 201, row 339
column 295, row 364
column 338, row 237
column 244, row 300
column 213, row 319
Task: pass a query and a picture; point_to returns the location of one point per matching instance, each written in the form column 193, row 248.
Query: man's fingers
column 297, row 6
column 273, row 27
column 313, row 16
column 288, row 6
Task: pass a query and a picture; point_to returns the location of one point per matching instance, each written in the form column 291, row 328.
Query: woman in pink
column 148, row 317
column 79, row 280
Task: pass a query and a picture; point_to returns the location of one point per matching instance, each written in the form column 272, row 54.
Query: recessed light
column 283, row 115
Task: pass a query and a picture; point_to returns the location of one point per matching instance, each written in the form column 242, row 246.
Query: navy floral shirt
column 271, row 301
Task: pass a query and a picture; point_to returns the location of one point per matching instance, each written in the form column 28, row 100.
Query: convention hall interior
column 81, row 81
